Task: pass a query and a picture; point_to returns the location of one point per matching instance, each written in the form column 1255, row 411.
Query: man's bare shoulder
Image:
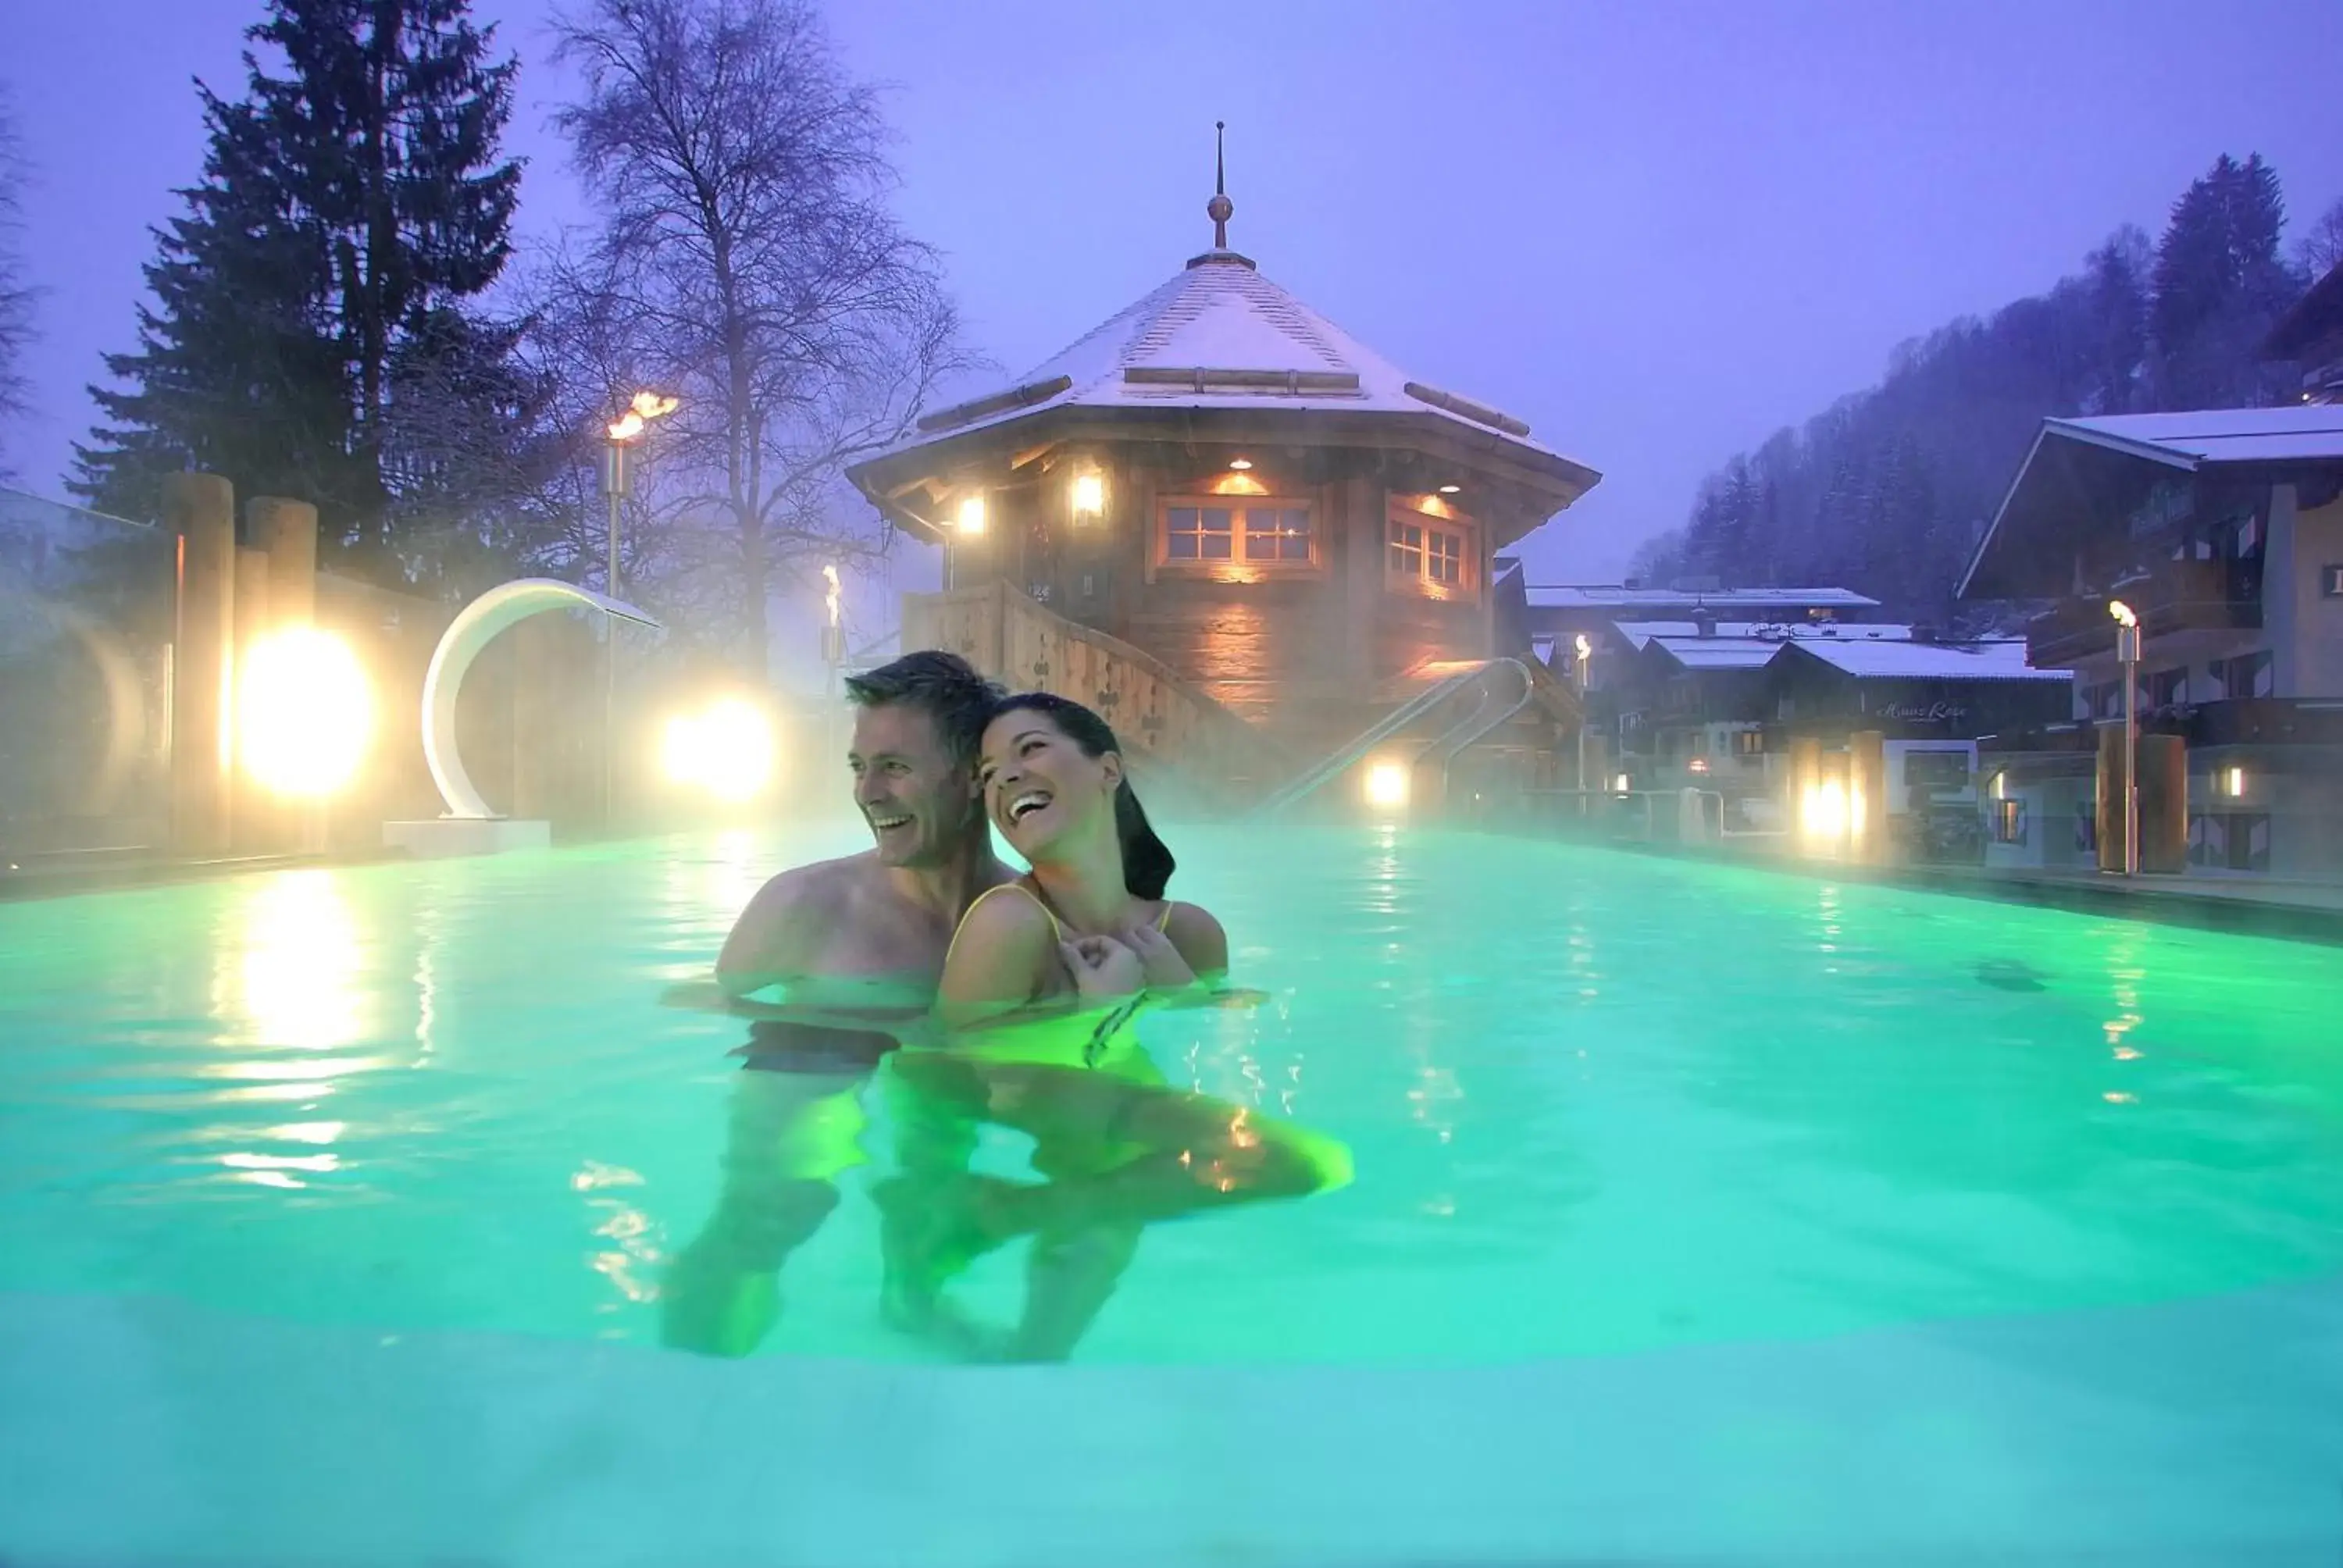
column 783, row 929
column 820, row 886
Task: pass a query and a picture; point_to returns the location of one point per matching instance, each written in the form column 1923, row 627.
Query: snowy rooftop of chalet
column 1867, row 652
column 2297, row 432
column 1868, row 661
column 1219, row 335
column 1612, row 595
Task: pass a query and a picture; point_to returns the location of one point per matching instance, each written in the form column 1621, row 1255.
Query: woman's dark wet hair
column 943, row 686
column 1147, row 862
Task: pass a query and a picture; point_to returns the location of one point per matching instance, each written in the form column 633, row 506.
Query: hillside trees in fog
column 1888, row 490
column 317, row 326
column 16, row 294
column 746, row 259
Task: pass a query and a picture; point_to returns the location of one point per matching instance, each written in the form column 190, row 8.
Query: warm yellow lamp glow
column 1585, row 646
column 1090, row 495
column 971, row 514
column 304, row 711
column 726, row 750
column 2121, row 612
column 1824, row 813
column 2233, row 782
column 1386, row 786
column 300, row 982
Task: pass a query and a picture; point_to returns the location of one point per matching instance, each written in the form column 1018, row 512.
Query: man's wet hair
column 943, row 686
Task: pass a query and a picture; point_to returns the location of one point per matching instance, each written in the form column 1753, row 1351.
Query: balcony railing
column 2178, row 596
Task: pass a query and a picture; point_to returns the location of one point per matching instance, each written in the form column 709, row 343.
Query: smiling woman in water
column 1044, row 976
column 1089, row 919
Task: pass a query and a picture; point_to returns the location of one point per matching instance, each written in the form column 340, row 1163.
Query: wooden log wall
column 1153, row 712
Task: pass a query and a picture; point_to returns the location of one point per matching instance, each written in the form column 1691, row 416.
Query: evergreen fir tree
column 352, row 208
column 2219, row 285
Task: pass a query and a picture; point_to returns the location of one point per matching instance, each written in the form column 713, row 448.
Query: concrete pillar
column 287, row 531
column 2163, row 804
column 1805, row 776
column 201, row 509
column 252, row 812
column 1866, row 789
column 1691, row 816
column 2114, row 785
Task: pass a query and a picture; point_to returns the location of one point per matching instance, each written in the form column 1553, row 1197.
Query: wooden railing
column 1161, row 718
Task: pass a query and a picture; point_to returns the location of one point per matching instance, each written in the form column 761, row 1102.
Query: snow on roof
column 1639, row 632
column 1612, row 595
column 1721, row 652
column 1865, row 651
column 2292, row 433
column 1177, row 346
column 1868, row 660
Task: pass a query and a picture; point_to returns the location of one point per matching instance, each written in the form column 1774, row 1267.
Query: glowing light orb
column 1824, row 813
column 727, row 749
column 305, row 713
column 1386, row 785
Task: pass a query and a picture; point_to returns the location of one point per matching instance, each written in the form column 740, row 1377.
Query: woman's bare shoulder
column 1198, row 935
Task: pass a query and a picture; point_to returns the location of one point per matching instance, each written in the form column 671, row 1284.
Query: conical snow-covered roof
column 1219, row 335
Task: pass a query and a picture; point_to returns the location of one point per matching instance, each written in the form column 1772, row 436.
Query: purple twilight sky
column 1655, row 232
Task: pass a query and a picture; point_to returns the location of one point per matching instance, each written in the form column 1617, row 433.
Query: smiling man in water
column 859, row 938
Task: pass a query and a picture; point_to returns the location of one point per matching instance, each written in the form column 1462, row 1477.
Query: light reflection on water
column 291, row 954
column 1565, row 1075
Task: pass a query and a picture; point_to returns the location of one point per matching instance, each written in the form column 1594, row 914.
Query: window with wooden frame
column 1261, row 533
column 1429, row 553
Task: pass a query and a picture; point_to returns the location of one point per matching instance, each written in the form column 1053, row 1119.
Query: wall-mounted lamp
column 1450, row 489
column 1241, row 465
column 971, row 514
column 2233, row 782
column 1090, row 496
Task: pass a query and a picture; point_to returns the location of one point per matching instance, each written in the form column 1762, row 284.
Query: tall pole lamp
column 617, row 484
column 1586, row 651
column 2128, row 656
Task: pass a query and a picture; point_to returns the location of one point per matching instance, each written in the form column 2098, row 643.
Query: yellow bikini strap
column 1018, row 887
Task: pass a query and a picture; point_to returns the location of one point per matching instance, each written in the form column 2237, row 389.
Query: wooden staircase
column 1184, row 748
column 1186, row 751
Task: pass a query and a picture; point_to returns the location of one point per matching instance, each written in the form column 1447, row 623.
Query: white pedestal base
column 466, row 836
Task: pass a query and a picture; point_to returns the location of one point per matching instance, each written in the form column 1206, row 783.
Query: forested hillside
column 1888, row 490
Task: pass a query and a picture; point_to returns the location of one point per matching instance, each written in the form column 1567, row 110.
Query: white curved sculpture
column 467, row 635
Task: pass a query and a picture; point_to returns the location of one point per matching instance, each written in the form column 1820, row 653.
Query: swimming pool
column 1700, row 1213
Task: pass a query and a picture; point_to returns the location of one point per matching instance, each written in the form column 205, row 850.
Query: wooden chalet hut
column 1241, row 534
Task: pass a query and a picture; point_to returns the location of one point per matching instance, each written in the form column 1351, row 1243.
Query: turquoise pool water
column 1621, row 1125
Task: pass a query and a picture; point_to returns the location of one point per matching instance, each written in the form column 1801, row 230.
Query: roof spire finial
column 1219, row 208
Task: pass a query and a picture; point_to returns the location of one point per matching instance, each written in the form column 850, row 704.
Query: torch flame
column 645, row 407
column 2121, row 612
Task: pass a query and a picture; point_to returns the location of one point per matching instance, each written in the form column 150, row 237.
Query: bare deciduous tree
column 2319, row 251
column 748, row 261
column 16, row 295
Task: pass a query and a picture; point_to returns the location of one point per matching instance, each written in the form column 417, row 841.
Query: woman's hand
column 1103, row 968
column 1159, row 961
